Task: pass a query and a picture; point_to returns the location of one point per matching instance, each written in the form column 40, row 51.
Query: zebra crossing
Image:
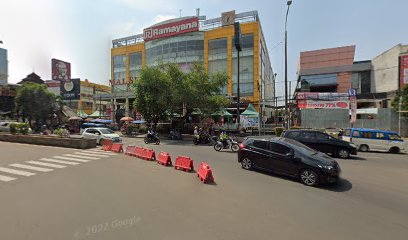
column 48, row 164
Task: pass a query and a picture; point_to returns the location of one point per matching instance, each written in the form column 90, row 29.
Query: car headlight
column 329, row 168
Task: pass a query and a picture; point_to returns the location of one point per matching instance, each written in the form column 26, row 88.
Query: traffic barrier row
column 183, row 163
column 106, row 144
column 117, row 147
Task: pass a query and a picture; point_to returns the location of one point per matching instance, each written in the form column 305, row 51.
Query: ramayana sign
column 171, row 29
column 323, row 104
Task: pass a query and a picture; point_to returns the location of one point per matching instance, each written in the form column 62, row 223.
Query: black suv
column 288, row 157
column 322, row 142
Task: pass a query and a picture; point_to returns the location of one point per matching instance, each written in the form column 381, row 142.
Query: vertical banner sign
column 70, row 89
column 403, row 70
column 353, row 105
column 60, row 70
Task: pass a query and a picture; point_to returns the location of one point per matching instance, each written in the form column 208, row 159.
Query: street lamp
column 289, row 2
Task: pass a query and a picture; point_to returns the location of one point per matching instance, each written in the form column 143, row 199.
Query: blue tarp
column 98, row 120
column 138, row 121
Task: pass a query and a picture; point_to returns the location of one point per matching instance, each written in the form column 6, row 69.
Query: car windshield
column 394, row 137
column 106, row 131
column 300, row 147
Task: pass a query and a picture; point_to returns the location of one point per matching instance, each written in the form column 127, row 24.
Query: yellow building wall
column 228, row 32
column 126, row 50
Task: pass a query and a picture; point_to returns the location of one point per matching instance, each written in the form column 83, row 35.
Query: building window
column 119, row 67
column 319, row 83
column 246, row 67
column 218, row 58
column 135, row 66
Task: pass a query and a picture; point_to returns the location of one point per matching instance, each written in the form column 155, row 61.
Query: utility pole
column 289, row 2
column 399, row 115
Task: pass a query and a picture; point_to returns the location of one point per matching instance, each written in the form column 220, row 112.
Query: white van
column 375, row 140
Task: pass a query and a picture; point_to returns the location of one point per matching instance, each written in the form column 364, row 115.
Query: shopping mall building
column 187, row 40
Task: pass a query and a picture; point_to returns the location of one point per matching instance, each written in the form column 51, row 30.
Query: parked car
column 322, row 142
column 372, row 139
column 289, row 157
column 101, row 133
column 5, row 126
column 90, row 125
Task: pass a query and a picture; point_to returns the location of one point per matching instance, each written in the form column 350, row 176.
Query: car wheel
column 309, row 177
column 246, row 163
column 343, row 153
column 394, row 150
column 363, row 148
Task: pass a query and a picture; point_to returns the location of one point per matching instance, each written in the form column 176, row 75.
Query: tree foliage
column 34, row 102
column 165, row 89
column 404, row 94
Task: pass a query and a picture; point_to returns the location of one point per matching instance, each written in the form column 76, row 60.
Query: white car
column 5, row 126
column 101, row 133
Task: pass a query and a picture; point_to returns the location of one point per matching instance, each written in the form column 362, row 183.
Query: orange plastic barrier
column 184, row 163
column 106, row 144
column 139, row 152
column 117, row 147
column 164, row 159
column 204, row 173
column 131, row 151
column 149, row 154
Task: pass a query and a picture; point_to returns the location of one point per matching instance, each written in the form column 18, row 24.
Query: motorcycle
column 219, row 145
column 175, row 135
column 152, row 139
column 203, row 138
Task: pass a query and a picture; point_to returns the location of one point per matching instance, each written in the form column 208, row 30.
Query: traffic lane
column 19, row 152
column 392, row 204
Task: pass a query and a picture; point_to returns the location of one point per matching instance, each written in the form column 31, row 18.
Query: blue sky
column 80, row 32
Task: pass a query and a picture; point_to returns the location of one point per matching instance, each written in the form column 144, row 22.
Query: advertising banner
column 70, row 89
column 323, row 104
column 249, row 121
column 227, row 18
column 171, row 29
column 403, row 70
column 353, row 109
column 60, row 70
column 322, row 96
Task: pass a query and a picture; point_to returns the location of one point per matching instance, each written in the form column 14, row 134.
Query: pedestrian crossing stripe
column 16, row 172
column 46, row 164
column 84, row 157
column 58, row 161
column 6, row 179
column 91, row 154
column 17, row 165
column 100, row 152
column 71, row 159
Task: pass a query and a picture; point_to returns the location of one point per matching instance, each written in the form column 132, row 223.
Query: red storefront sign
column 171, row 29
column 353, row 108
column 323, row 104
column 403, row 70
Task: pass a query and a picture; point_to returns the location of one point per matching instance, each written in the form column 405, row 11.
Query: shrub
column 61, row 132
column 23, row 128
column 279, row 131
column 13, row 128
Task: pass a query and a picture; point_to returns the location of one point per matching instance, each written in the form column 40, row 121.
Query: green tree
column 196, row 89
column 34, row 102
column 404, row 95
column 152, row 91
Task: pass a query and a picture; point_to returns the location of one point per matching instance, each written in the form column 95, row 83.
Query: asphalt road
column 121, row 197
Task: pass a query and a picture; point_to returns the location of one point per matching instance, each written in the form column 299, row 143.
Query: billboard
column 249, row 121
column 171, row 29
column 60, row 70
column 403, row 70
column 326, row 96
column 340, row 104
column 70, row 89
column 227, row 18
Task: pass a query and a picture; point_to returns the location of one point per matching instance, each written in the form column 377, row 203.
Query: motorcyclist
column 196, row 132
column 224, row 138
column 150, row 134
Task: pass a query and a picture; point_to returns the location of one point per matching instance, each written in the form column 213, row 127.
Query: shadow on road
column 343, row 185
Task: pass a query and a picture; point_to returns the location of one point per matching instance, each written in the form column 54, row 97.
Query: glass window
column 367, row 134
column 307, row 135
column 261, row 144
column 218, row 58
column 347, row 132
column 356, row 133
column 322, row 136
column 324, row 82
column 246, row 67
column 380, row 136
column 293, row 135
column 394, row 137
column 278, row 148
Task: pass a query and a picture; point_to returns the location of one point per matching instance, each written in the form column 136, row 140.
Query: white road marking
column 46, row 164
column 71, row 159
column 59, row 161
column 17, row 165
column 100, row 152
column 92, row 154
column 6, row 179
column 78, row 156
column 17, row 172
